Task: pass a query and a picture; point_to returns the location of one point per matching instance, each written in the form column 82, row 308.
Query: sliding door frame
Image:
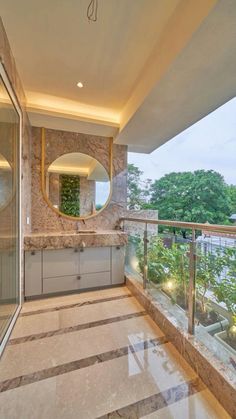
column 15, row 102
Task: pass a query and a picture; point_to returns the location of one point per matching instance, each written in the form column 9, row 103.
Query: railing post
column 145, row 249
column 192, row 284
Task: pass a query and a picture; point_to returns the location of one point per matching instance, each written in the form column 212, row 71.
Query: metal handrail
column 182, row 224
column 192, row 254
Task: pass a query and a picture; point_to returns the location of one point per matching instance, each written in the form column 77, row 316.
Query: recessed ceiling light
column 80, row 84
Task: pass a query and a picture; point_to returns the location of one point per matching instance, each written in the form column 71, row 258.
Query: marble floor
column 97, row 355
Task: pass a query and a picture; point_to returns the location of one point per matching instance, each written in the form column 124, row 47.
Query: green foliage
column 98, row 207
column 178, row 262
column 209, row 269
column 70, row 195
column 225, row 290
column 231, row 189
column 157, row 260
column 169, row 268
column 200, row 196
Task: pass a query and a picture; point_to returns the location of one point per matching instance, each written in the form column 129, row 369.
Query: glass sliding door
column 9, row 208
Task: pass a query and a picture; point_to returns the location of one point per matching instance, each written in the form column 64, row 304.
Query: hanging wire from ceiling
column 92, row 11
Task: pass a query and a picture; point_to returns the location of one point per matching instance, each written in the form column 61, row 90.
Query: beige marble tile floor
column 6, row 313
column 49, row 321
column 119, row 364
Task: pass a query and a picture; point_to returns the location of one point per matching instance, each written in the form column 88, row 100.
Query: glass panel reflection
column 9, row 210
column 77, row 185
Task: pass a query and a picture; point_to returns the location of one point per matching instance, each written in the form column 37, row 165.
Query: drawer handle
column 78, row 277
column 75, row 250
column 33, row 253
column 118, row 247
column 81, row 249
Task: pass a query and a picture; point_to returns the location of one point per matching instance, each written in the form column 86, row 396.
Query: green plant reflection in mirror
column 6, row 180
column 77, row 185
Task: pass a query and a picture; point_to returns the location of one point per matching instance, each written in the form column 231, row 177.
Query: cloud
column 208, row 144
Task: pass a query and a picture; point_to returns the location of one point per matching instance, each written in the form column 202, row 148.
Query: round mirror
column 6, row 181
column 77, row 185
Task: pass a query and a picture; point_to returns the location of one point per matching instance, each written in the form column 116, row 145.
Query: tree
column 134, row 190
column 199, row 196
column 231, row 189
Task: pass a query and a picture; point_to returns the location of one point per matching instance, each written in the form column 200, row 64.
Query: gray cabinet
column 95, row 259
column 62, row 270
column 60, row 262
column 60, row 284
column 96, row 279
column 33, row 273
column 117, row 264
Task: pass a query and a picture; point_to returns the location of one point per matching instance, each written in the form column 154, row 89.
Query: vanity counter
column 63, row 240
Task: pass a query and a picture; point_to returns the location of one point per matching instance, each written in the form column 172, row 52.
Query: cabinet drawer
column 118, row 264
column 95, row 280
column 95, row 259
column 60, row 262
column 33, row 273
column 60, row 283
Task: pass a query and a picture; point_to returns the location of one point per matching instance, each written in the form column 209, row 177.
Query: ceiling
column 137, row 64
column 200, row 78
column 79, row 164
column 55, row 46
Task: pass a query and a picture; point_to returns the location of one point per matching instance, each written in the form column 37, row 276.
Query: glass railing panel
column 216, row 296
column 134, row 250
column 176, row 257
column 168, row 270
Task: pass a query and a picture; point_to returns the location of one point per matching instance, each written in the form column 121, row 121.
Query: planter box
column 221, row 338
column 211, row 328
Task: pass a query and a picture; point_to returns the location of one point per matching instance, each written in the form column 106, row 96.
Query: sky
column 208, row 144
column 102, row 192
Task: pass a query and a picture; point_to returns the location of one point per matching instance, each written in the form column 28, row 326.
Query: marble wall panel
column 138, row 228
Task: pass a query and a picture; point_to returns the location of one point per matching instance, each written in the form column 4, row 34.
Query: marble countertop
column 61, row 240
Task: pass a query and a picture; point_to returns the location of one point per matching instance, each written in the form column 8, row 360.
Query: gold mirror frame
column 57, row 211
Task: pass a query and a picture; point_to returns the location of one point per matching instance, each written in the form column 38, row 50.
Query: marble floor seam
column 73, row 305
column 76, row 328
column 157, row 401
column 81, row 363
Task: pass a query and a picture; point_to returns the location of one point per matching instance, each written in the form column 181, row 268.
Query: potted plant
column 168, row 268
column 177, row 264
column 225, row 292
column 209, row 269
column 157, row 259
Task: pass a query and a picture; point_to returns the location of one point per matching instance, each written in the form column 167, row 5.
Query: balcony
column 184, row 275
column 81, row 335
column 140, row 350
